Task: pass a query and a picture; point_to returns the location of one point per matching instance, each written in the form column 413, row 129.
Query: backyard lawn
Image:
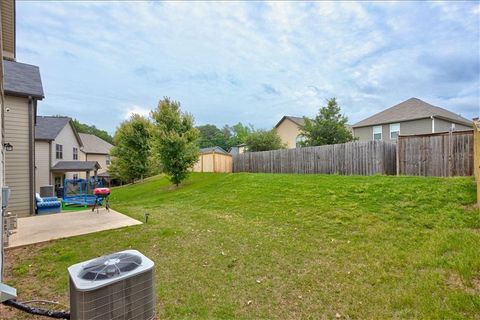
column 250, row 246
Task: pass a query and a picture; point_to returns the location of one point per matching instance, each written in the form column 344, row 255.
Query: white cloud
column 143, row 111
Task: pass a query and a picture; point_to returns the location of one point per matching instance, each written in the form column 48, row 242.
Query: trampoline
column 79, row 193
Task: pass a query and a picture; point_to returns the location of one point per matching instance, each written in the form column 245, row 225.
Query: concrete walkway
column 48, row 227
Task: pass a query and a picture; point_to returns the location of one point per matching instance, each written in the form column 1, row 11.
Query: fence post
column 397, row 155
column 476, row 155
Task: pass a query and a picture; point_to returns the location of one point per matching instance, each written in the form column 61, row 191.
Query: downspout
column 31, row 114
column 433, row 123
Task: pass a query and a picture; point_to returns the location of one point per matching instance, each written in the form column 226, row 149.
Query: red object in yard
column 101, row 191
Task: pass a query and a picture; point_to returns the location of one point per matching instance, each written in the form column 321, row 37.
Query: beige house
column 97, row 149
column 288, row 128
column 412, row 116
column 22, row 90
column 59, row 153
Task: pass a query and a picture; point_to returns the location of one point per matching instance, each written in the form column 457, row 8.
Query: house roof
column 94, row 144
column 213, row 149
column 22, row 80
column 76, row 166
column 48, row 128
column 297, row 120
column 411, row 109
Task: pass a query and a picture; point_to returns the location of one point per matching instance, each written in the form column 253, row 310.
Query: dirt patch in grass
column 454, row 281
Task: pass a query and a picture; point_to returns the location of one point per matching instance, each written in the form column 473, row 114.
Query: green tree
column 328, row 127
column 238, row 133
column 263, row 140
column 175, row 140
column 211, row 136
column 131, row 153
column 85, row 128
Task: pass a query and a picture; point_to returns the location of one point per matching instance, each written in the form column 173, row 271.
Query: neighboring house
column 97, row 149
column 412, row 116
column 59, row 154
column 22, row 89
column 288, row 128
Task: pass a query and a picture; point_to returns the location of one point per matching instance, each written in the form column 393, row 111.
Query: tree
column 85, row 128
column 175, row 140
column 238, row 133
column 328, row 127
column 211, row 136
column 131, row 153
column 263, row 140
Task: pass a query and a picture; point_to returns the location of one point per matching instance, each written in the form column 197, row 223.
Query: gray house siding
column 408, row 127
column 445, row 125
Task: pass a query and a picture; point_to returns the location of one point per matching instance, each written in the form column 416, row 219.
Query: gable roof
column 48, row 128
column 22, row 80
column 411, row 109
column 297, row 120
column 94, row 144
column 213, row 149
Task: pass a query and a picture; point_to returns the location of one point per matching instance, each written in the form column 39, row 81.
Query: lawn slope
column 288, row 247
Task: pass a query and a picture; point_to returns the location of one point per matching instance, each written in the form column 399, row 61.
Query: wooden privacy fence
column 476, row 155
column 213, row 162
column 353, row 158
column 443, row 154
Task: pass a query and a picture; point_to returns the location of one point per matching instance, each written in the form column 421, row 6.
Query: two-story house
column 412, row 116
column 59, row 154
column 22, row 88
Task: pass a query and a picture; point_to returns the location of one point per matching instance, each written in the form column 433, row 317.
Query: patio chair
column 47, row 204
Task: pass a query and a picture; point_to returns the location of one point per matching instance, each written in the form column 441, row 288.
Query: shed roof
column 94, row 144
column 215, row 149
column 67, row 166
column 411, row 109
column 21, row 79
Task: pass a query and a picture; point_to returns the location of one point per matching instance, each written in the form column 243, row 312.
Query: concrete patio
column 48, row 227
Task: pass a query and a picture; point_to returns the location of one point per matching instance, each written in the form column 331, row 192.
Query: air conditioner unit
column 116, row 286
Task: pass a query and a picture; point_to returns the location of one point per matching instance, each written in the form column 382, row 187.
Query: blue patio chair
column 47, row 204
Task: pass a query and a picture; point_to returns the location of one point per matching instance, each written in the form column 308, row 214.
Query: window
column 377, row 133
column 394, row 131
column 58, row 151
column 107, row 159
column 75, row 153
column 75, row 176
column 299, row 140
column 453, row 127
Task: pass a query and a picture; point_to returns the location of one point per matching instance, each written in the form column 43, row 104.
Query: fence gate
column 444, row 154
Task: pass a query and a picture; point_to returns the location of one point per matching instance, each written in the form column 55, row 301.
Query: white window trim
column 394, row 124
column 381, row 132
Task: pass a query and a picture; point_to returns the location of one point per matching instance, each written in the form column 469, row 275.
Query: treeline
column 85, row 128
column 169, row 142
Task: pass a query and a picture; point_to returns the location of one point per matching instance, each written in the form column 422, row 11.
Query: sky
column 249, row 62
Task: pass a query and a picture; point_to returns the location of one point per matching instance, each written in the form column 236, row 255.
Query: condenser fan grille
column 110, row 266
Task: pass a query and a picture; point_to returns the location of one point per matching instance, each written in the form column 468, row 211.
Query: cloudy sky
column 250, row 62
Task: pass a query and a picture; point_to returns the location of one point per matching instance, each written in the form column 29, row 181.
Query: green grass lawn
column 288, row 246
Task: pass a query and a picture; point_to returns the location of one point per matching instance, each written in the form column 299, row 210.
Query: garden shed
column 213, row 159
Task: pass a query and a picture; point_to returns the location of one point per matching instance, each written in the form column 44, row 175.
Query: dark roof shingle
column 22, row 79
column 411, row 109
column 76, row 166
column 213, row 149
column 48, row 128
